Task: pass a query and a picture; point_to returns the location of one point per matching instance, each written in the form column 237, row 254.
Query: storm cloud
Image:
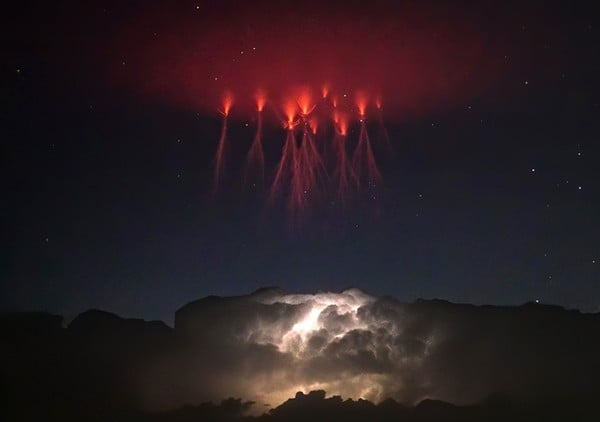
column 268, row 345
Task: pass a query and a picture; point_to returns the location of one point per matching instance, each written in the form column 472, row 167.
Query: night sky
column 110, row 127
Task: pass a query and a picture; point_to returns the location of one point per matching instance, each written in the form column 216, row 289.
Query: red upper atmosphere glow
column 421, row 58
column 305, row 101
column 341, row 121
column 314, row 124
column 290, row 110
column 227, row 103
column 261, row 99
column 361, row 103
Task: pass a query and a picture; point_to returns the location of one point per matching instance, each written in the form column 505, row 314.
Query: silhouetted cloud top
column 360, row 346
column 268, row 346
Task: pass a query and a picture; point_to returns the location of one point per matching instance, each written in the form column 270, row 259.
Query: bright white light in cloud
column 268, row 345
column 347, row 343
column 318, row 311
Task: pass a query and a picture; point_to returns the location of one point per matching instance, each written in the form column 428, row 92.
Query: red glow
column 227, row 103
column 300, row 168
column 261, row 99
column 286, row 165
column 301, row 173
column 422, row 58
column 305, row 101
column 314, row 124
column 342, row 124
column 361, row 103
column 336, row 116
column 343, row 174
column 363, row 159
column 255, row 162
column 290, row 110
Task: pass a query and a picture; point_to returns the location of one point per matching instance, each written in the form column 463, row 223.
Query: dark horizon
column 430, row 357
column 169, row 320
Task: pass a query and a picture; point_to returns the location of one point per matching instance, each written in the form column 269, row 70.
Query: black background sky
column 106, row 195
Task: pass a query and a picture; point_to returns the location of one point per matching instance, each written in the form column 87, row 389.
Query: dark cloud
column 360, row 346
column 267, row 346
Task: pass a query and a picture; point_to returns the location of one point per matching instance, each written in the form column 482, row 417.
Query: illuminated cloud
column 269, row 345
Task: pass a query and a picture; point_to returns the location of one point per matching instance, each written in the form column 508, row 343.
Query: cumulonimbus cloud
column 268, row 345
